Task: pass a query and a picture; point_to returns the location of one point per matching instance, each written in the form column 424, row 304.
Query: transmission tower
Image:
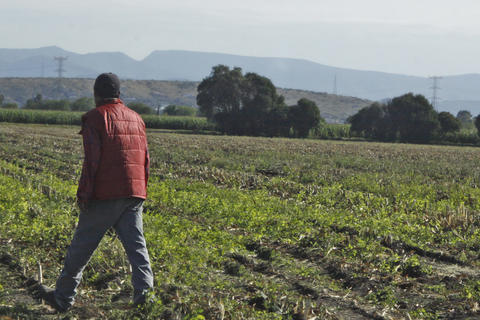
column 60, row 69
column 435, row 89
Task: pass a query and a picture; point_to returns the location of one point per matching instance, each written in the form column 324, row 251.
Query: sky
column 414, row 37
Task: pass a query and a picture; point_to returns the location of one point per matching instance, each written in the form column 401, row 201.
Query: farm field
column 254, row 228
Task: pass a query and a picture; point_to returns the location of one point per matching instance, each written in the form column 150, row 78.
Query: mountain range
column 455, row 92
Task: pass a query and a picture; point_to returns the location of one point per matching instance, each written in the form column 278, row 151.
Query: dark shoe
column 48, row 295
column 143, row 298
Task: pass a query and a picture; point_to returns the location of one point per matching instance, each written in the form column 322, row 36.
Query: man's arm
column 92, row 145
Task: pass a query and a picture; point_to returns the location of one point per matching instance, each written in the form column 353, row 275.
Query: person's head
column 107, row 86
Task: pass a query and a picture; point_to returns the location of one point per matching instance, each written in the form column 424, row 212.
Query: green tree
column 370, row 122
column 34, row 103
column 174, row 110
column 82, row 104
column 464, row 116
column 259, row 99
column 303, row 117
column 448, row 123
column 2, row 98
column 219, row 95
column 409, row 118
column 279, row 124
column 477, row 123
column 140, row 108
column 241, row 104
column 413, row 118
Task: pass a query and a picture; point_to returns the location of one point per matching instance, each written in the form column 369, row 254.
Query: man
column 111, row 191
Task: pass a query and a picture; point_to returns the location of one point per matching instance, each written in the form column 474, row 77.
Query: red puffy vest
column 123, row 168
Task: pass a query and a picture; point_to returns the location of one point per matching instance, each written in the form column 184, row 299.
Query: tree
column 174, row 110
column 370, row 122
column 303, row 117
column 34, row 103
column 219, row 95
column 140, row 108
column 279, row 124
column 241, row 104
column 2, row 98
column 448, row 123
column 259, row 98
column 82, row 104
column 477, row 123
column 413, row 118
column 464, row 116
column 409, row 118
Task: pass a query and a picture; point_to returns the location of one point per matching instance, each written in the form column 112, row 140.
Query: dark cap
column 107, row 85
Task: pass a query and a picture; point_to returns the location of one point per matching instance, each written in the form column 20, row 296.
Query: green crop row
column 74, row 118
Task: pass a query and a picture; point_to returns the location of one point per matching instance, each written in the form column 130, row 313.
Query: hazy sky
column 417, row 37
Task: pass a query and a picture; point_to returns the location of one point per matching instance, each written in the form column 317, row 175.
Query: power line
column 60, row 69
column 435, row 89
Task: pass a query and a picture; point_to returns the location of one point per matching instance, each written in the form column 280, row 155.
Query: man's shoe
column 143, row 298
column 48, row 295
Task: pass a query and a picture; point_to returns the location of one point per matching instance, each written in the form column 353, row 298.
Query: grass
column 260, row 228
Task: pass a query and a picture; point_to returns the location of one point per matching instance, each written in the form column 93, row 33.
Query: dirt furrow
column 343, row 307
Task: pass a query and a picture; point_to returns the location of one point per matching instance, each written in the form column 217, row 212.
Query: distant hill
column 457, row 92
column 335, row 109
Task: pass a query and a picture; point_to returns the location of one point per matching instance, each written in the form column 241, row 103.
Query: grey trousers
column 125, row 216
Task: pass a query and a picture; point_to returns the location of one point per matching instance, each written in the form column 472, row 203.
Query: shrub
column 82, row 104
column 174, row 110
column 140, row 108
column 9, row 105
column 178, row 123
column 448, row 123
